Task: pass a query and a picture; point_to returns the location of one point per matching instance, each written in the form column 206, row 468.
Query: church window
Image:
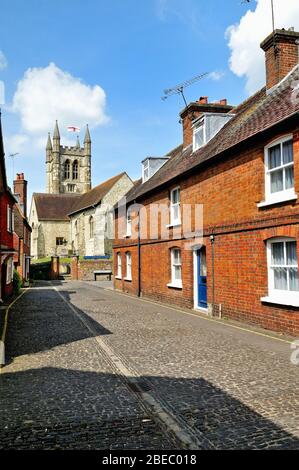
column 91, row 227
column 59, row 241
column 67, row 170
column 71, row 188
column 75, row 170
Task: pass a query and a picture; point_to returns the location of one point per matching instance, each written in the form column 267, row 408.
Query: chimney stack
column 195, row 110
column 20, row 191
column 281, row 50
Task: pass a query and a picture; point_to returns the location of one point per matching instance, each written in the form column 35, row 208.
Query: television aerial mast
column 179, row 89
column 12, row 156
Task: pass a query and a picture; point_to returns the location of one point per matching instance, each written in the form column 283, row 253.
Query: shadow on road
column 68, row 397
column 58, row 408
column 41, row 320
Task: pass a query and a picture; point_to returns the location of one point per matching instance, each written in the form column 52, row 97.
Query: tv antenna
column 12, row 156
column 179, row 89
column 272, row 11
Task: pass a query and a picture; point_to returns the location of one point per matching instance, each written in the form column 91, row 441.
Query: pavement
column 91, row 368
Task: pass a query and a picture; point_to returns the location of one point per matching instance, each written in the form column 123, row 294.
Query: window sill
column 129, row 279
column 175, row 224
column 127, row 236
column 280, row 301
column 283, row 198
column 175, row 286
column 117, row 277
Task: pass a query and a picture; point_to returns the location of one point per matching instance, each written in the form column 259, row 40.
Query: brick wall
column 229, row 191
column 281, row 53
column 84, row 270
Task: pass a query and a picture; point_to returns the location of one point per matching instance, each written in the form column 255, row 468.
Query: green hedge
column 17, row 282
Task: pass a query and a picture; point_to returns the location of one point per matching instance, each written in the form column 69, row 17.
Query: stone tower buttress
column 56, row 174
column 48, row 164
column 87, row 160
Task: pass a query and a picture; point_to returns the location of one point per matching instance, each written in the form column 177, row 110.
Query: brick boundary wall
column 54, row 270
column 83, row 270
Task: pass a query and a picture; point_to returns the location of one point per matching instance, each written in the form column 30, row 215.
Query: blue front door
column 201, row 278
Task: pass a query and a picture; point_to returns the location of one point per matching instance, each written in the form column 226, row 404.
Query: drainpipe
column 212, row 239
column 139, row 257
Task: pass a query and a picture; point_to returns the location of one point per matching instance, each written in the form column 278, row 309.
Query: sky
column 107, row 62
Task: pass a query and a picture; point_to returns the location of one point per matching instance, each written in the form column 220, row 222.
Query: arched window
column 91, row 227
column 67, row 170
column 75, row 170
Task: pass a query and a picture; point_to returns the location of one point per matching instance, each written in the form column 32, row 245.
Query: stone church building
column 71, row 217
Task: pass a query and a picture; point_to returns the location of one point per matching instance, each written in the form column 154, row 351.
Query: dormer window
column 199, row 135
column 145, row 171
column 207, row 126
column 151, row 165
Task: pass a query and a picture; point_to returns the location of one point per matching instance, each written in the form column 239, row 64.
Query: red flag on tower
column 73, row 129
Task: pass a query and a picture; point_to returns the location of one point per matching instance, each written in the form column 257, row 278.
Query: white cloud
column 3, row 61
column 244, row 38
column 186, row 12
column 16, row 143
column 46, row 94
column 216, row 75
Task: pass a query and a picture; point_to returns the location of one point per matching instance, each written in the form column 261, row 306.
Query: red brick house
column 22, row 229
column 242, row 165
column 7, row 202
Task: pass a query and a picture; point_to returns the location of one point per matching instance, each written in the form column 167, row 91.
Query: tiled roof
column 260, row 112
column 94, row 196
column 20, row 221
column 54, row 206
column 60, row 206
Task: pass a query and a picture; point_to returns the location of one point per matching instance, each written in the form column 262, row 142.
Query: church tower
column 68, row 169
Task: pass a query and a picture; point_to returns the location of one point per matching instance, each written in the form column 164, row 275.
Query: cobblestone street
column 90, row 368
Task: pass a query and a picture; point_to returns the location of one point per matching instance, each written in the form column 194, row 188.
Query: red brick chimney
column 281, row 51
column 20, row 191
column 194, row 110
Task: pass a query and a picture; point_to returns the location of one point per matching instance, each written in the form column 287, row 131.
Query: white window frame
column 285, row 194
column 10, row 219
column 118, row 259
column 128, row 223
column 145, row 167
column 9, row 272
column 177, row 283
column 173, row 221
column 128, row 266
column 278, row 296
column 199, row 124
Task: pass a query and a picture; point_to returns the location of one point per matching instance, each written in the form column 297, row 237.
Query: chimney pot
column 203, row 100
